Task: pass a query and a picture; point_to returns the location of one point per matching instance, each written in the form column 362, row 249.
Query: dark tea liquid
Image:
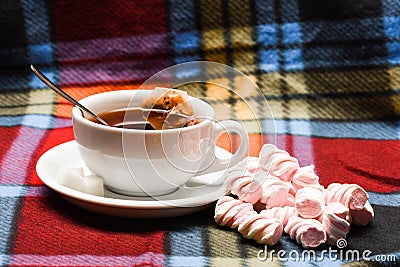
column 134, row 119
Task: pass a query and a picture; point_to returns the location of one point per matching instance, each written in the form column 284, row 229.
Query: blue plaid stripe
column 40, row 49
column 8, row 215
column 187, row 242
column 35, row 121
column 185, row 37
column 391, row 7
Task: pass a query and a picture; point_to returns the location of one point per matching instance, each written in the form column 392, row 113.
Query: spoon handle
column 65, row 95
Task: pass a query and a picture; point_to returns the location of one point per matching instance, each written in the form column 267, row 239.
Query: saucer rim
column 121, row 203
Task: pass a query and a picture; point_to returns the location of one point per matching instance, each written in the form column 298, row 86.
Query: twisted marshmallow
column 290, row 200
column 309, row 202
column 274, row 192
column 231, row 212
column 280, row 163
column 242, row 184
column 363, row 216
column 249, row 163
column 306, row 177
column 291, row 195
column 281, row 213
column 331, row 225
column 352, row 196
column 262, row 229
column 309, row 233
column 336, row 220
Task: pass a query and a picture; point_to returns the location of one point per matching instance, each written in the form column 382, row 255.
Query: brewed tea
column 116, row 118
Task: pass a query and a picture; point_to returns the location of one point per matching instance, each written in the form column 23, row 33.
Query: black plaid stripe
column 338, row 10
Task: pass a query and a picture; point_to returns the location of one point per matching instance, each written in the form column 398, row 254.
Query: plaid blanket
column 330, row 71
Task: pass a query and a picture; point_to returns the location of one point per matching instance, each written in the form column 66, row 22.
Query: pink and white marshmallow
column 363, row 216
column 242, row 184
column 283, row 214
column 306, row 177
column 309, row 202
column 336, row 220
column 231, row 212
column 262, row 229
column 250, row 164
column 274, row 192
column 278, row 162
column 352, row 196
column 290, row 200
column 309, row 233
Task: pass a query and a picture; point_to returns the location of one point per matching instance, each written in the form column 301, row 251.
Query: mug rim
column 77, row 116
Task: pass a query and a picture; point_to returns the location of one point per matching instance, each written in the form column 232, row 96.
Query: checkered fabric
column 329, row 70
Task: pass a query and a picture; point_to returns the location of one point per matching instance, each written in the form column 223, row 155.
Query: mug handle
column 221, row 164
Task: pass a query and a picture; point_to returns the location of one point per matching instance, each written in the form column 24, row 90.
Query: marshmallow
column 309, row 233
column 241, row 184
column 309, row 202
column 281, row 213
column 278, row 162
column 262, row 229
column 352, row 196
column 290, row 200
column 274, row 192
column 306, row 177
column 363, row 216
column 336, row 220
column 230, row 212
column 248, row 163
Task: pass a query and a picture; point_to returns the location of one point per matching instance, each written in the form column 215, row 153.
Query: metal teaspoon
column 59, row 91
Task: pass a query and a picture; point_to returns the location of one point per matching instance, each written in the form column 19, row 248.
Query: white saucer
column 196, row 195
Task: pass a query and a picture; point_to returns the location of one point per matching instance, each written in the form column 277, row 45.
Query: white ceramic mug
column 151, row 162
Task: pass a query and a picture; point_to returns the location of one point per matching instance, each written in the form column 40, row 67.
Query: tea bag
column 175, row 109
